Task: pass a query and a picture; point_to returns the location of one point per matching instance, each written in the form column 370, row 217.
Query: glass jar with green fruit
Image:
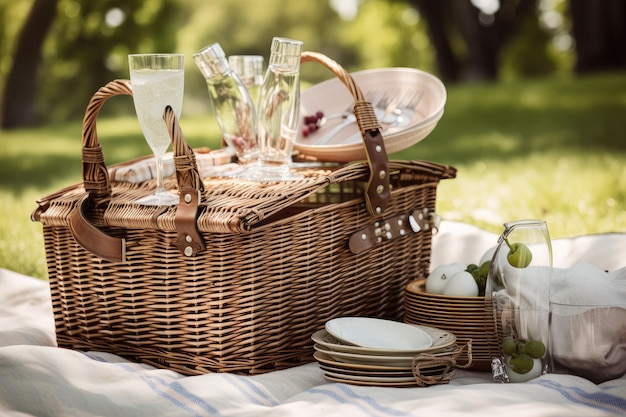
column 518, row 289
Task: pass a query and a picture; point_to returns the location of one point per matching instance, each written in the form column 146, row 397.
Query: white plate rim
column 442, row 339
column 367, row 378
column 403, row 361
column 324, row 358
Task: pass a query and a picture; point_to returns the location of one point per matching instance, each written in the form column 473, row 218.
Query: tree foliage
column 88, row 42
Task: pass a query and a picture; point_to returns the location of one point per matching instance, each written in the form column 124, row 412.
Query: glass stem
column 159, row 172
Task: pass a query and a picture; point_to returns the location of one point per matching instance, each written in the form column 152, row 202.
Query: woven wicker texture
column 276, row 264
column 470, row 319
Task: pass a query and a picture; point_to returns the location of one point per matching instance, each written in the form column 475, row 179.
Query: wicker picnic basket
column 239, row 275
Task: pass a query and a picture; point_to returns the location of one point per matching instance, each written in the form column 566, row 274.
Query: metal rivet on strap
column 188, row 251
column 378, row 210
column 382, row 174
column 380, row 189
column 188, row 239
column 378, row 148
column 187, row 198
column 363, row 236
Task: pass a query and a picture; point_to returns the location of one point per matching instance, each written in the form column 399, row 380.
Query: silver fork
column 342, row 114
column 348, row 119
column 405, row 111
column 401, row 115
column 348, row 115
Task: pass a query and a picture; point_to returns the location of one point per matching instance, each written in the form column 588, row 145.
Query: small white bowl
column 397, row 85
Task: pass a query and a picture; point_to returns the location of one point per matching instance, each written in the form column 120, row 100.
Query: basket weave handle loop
column 190, row 187
column 378, row 194
column 98, row 185
column 95, row 173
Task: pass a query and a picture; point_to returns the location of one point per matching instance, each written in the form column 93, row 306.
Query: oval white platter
column 376, row 333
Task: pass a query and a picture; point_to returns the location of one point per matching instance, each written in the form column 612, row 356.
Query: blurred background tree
column 55, row 53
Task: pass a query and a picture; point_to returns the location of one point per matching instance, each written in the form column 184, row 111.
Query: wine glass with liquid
column 157, row 81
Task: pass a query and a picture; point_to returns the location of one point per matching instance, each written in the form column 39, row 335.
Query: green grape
column 535, row 349
column 509, row 347
column 521, row 363
column 479, row 273
column 484, row 269
column 476, row 275
column 519, row 255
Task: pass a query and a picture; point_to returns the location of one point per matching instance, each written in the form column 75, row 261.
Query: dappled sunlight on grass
column 547, row 149
column 575, row 194
column 21, row 240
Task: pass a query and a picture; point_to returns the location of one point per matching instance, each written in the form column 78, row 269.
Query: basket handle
column 378, row 195
column 98, row 185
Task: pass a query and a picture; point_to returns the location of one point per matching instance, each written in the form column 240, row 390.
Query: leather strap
column 188, row 240
column 378, row 194
column 93, row 239
column 393, row 227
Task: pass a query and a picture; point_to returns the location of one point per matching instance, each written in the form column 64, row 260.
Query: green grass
column 548, row 149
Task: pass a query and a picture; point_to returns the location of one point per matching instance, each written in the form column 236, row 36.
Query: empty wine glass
column 157, row 81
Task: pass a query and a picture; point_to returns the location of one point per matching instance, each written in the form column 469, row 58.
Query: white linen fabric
column 216, row 162
column 588, row 316
column 39, row 379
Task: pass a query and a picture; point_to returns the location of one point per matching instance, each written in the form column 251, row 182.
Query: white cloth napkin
column 588, row 321
column 588, row 328
column 210, row 163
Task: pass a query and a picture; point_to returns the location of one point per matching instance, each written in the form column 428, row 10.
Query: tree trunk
column 483, row 39
column 598, row 28
column 18, row 101
column 434, row 12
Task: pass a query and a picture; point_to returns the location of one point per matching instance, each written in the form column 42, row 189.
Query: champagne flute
column 278, row 111
column 250, row 71
column 157, row 81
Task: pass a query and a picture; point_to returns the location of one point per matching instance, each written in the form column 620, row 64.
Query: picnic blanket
column 39, row 379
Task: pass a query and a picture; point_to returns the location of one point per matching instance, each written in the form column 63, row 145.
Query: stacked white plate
column 368, row 351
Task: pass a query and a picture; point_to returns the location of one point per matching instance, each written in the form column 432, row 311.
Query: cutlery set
column 390, row 113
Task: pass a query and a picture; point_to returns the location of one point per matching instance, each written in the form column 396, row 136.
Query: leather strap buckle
column 384, row 230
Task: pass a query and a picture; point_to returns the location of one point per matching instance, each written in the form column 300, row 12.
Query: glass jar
column 518, row 289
